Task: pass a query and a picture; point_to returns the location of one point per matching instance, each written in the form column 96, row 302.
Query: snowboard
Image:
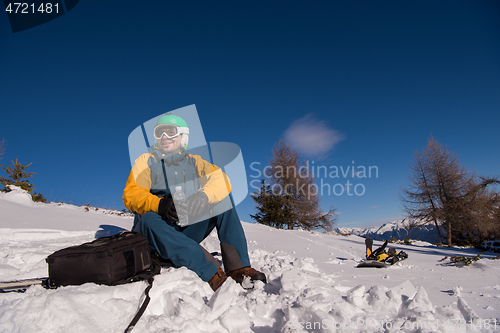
column 22, row 285
column 373, row 263
column 380, row 258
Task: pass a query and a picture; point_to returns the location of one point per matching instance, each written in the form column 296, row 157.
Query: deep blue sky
column 381, row 76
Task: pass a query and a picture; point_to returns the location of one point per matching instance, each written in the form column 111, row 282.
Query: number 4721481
column 27, row 8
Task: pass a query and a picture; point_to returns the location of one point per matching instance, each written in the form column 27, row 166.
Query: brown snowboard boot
column 217, row 280
column 239, row 274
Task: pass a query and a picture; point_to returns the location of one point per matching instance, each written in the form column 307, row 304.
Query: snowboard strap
column 369, row 244
column 374, row 255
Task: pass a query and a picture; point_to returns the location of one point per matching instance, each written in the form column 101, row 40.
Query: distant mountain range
column 398, row 229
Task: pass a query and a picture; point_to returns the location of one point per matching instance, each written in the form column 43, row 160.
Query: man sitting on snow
column 149, row 190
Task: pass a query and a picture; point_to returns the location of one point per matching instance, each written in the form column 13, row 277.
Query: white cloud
column 312, row 137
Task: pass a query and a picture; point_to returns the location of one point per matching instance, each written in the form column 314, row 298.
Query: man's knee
column 228, row 216
column 151, row 219
column 150, row 216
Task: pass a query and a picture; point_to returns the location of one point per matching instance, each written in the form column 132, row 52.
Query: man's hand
column 197, row 205
column 166, row 209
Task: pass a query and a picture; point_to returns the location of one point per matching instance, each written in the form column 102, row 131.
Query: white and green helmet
column 172, row 126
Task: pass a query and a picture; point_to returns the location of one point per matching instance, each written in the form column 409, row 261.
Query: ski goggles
column 170, row 131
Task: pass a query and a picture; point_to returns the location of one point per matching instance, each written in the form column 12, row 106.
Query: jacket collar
column 168, row 158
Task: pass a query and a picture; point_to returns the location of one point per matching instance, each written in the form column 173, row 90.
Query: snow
column 18, row 196
column 313, row 285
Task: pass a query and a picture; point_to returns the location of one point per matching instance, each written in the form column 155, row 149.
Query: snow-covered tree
column 18, row 176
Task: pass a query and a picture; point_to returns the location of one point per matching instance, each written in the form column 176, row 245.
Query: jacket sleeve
column 215, row 183
column 137, row 195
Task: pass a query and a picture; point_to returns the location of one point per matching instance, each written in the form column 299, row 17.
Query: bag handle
column 155, row 269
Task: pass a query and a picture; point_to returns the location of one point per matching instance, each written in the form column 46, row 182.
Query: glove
column 166, row 209
column 197, row 204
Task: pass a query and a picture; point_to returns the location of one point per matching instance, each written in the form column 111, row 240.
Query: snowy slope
column 399, row 229
column 313, row 284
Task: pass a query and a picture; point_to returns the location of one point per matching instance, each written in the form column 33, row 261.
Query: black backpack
column 112, row 260
column 109, row 260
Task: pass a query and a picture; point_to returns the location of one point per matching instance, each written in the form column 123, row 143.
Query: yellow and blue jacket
column 155, row 175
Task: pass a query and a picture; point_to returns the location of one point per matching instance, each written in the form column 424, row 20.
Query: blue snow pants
column 181, row 244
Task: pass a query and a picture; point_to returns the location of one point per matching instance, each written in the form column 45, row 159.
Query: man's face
column 167, row 145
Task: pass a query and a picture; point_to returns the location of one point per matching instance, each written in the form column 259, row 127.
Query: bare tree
column 419, row 200
column 291, row 193
column 477, row 212
column 451, row 182
column 441, row 190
